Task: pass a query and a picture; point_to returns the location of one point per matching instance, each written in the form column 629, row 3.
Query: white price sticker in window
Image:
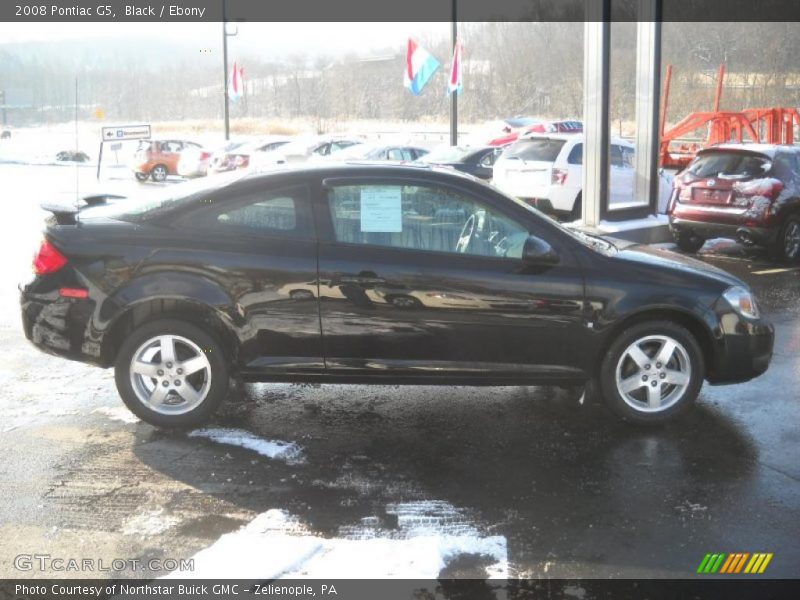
column 381, row 209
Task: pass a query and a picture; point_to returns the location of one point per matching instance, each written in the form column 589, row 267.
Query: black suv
column 377, row 274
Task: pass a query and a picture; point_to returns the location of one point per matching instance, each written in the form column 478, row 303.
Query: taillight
column 66, row 292
column 205, row 155
column 768, row 188
column 48, row 259
column 559, row 177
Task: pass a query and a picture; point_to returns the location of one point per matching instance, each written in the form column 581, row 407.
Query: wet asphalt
column 573, row 492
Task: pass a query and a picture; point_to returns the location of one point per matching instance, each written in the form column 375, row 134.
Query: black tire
column 217, row 388
column 683, row 400
column 688, row 242
column 577, row 208
column 159, row 173
column 141, row 176
column 786, row 248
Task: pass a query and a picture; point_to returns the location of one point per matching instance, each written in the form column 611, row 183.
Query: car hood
column 667, row 259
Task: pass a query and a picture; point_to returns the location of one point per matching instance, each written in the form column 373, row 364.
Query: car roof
column 768, row 150
column 356, row 168
column 570, row 136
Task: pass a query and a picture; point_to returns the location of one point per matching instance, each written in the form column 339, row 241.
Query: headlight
column 742, row 301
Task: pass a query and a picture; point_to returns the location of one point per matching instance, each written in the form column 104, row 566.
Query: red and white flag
column 454, row 83
column 236, row 84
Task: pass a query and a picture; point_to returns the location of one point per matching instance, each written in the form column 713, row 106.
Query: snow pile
column 275, row 545
column 288, row 451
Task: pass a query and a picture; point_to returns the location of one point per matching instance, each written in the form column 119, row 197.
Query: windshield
column 448, row 154
column 142, row 209
column 537, row 149
column 730, row 164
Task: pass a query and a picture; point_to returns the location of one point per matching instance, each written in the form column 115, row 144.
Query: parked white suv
column 546, row 171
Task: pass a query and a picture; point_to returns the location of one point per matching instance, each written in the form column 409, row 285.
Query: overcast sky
column 268, row 39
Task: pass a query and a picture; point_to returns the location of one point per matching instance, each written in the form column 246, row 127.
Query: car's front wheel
column 171, row 373
column 652, row 372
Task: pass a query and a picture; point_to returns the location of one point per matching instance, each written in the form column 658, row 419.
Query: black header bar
column 333, row 11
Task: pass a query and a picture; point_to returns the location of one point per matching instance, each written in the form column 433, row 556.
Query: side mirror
column 538, row 252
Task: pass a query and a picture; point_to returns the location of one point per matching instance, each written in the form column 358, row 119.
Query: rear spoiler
column 67, row 214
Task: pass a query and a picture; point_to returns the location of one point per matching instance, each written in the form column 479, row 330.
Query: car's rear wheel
column 688, row 241
column 141, row 176
column 159, row 173
column 787, row 244
column 171, row 373
column 652, row 372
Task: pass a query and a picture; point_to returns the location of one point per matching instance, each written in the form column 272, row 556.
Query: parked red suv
column 746, row 192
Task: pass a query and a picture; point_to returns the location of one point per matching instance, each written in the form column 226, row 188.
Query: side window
column 616, row 156
column 420, row 217
column 785, row 166
column 335, row 146
column 284, row 213
column 627, row 158
column 576, row 155
column 488, row 160
column 323, row 150
column 398, row 154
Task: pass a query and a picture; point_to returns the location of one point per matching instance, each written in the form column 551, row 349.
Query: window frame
column 327, row 233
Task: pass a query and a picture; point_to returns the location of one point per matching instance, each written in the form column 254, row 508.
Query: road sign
column 126, row 132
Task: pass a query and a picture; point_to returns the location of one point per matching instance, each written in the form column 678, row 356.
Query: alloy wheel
column 170, row 374
column 653, row 373
column 791, row 240
column 159, row 173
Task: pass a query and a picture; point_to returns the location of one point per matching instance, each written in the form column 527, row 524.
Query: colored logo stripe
column 734, row 563
column 710, row 563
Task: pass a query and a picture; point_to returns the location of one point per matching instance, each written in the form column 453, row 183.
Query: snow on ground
column 288, row 451
column 116, row 413
column 275, row 544
column 428, row 534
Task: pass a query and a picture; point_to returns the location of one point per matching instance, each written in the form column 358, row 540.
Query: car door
column 401, row 291
column 263, row 253
column 621, row 175
column 170, row 153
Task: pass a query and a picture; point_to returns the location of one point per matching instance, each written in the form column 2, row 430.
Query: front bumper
column 744, row 350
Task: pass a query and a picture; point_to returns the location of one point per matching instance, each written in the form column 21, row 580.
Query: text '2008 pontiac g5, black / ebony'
column 377, row 274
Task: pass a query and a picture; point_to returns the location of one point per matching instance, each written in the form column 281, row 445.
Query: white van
column 546, row 171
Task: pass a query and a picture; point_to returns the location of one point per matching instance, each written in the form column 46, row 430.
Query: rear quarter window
column 576, row 155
